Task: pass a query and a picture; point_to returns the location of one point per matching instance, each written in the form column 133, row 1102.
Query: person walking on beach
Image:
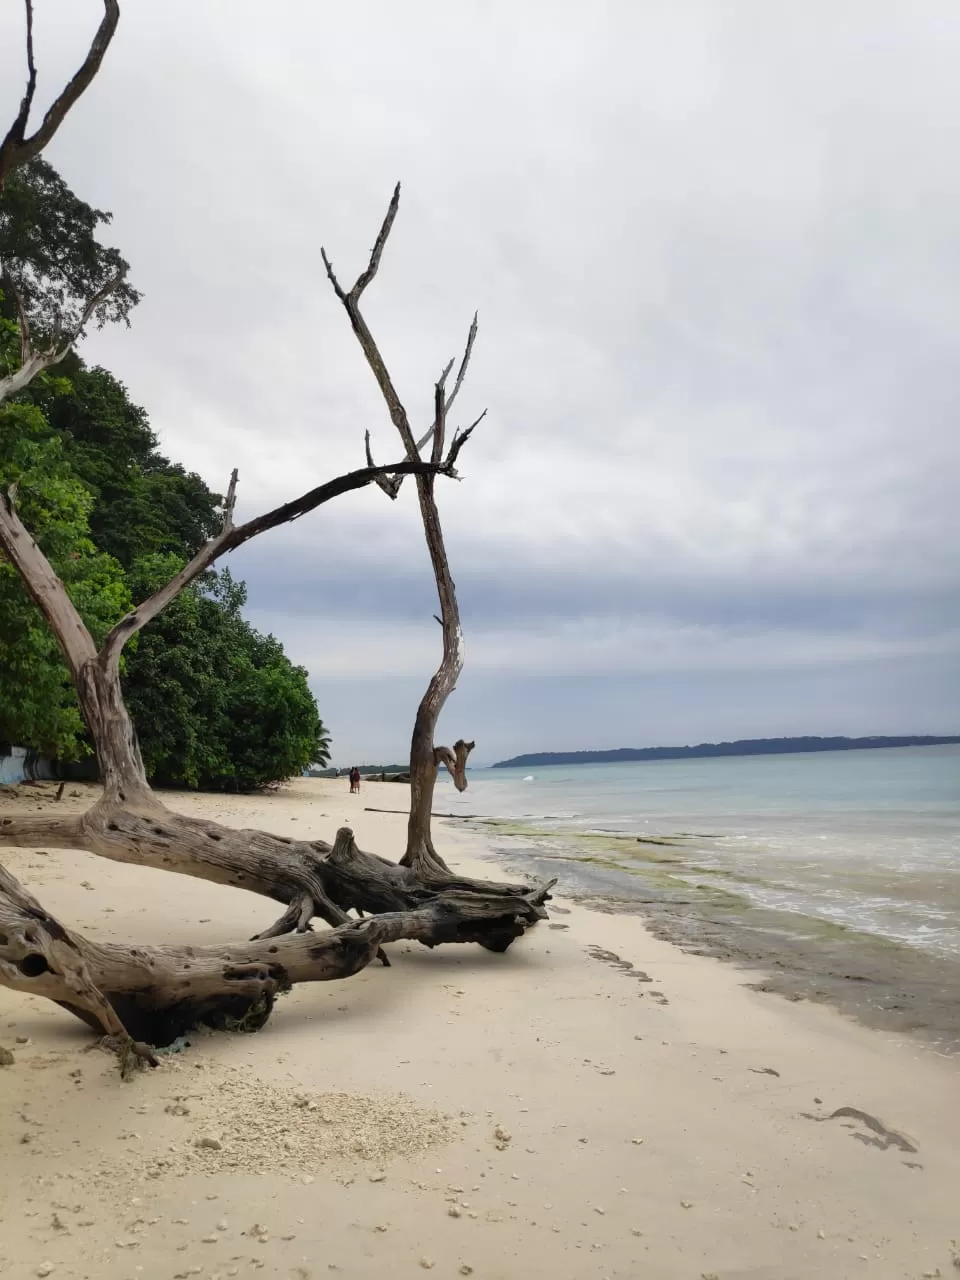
column 354, row 781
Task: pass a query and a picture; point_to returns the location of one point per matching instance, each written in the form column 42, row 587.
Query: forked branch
column 34, row 358
column 17, row 148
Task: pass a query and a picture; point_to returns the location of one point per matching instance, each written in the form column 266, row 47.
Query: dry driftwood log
column 425, row 757
column 144, row 997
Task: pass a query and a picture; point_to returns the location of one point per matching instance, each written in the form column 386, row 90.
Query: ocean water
column 869, row 840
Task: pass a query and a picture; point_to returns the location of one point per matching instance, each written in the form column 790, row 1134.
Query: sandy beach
column 594, row 1103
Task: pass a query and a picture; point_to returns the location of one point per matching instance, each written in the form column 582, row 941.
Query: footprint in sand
column 625, row 966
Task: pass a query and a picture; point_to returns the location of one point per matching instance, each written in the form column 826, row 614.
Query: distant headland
column 742, row 747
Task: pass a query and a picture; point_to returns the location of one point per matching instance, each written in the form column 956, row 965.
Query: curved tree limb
column 17, row 148
column 232, row 536
column 455, row 761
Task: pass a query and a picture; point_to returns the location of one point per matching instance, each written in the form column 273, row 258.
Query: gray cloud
column 713, row 249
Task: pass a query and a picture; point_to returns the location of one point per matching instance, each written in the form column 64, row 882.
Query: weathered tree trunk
column 425, row 756
column 146, row 997
column 425, row 761
column 118, row 749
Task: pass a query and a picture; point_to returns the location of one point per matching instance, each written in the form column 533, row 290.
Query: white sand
column 357, row 1131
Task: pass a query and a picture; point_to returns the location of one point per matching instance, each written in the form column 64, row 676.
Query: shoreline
column 664, row 1120
column 881, row 983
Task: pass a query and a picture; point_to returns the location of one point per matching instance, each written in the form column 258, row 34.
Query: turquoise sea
column 865, row 839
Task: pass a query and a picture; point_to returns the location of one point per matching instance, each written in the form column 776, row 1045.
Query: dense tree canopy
column 50, row 254
column 143, row 503
column 216, row 704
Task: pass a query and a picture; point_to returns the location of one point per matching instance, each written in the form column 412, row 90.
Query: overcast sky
column 716, row 257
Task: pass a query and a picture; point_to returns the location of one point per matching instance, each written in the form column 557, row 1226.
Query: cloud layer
column 713, row 249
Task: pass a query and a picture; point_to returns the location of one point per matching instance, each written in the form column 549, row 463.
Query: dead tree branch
column 391, row 484
column 34, row 359
column 425, row 757
column 232, row 536
column 17, row 148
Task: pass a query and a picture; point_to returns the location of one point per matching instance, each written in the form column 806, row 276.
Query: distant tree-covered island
column 742, row 747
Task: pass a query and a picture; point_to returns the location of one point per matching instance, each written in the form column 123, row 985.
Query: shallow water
column 869, row 840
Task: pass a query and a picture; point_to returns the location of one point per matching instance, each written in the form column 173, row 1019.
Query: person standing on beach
column 354, row 781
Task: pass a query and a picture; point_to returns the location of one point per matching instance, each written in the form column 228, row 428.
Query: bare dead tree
column 96, row 673
column 425, row 756
column 17, row 146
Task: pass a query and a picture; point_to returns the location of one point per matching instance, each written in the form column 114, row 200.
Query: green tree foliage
column 38, row 707
column 217, row 704
column 144, row 505
column 49, row 250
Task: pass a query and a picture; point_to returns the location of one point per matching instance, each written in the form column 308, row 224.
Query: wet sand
column 595, row 1103
column 881, row 983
